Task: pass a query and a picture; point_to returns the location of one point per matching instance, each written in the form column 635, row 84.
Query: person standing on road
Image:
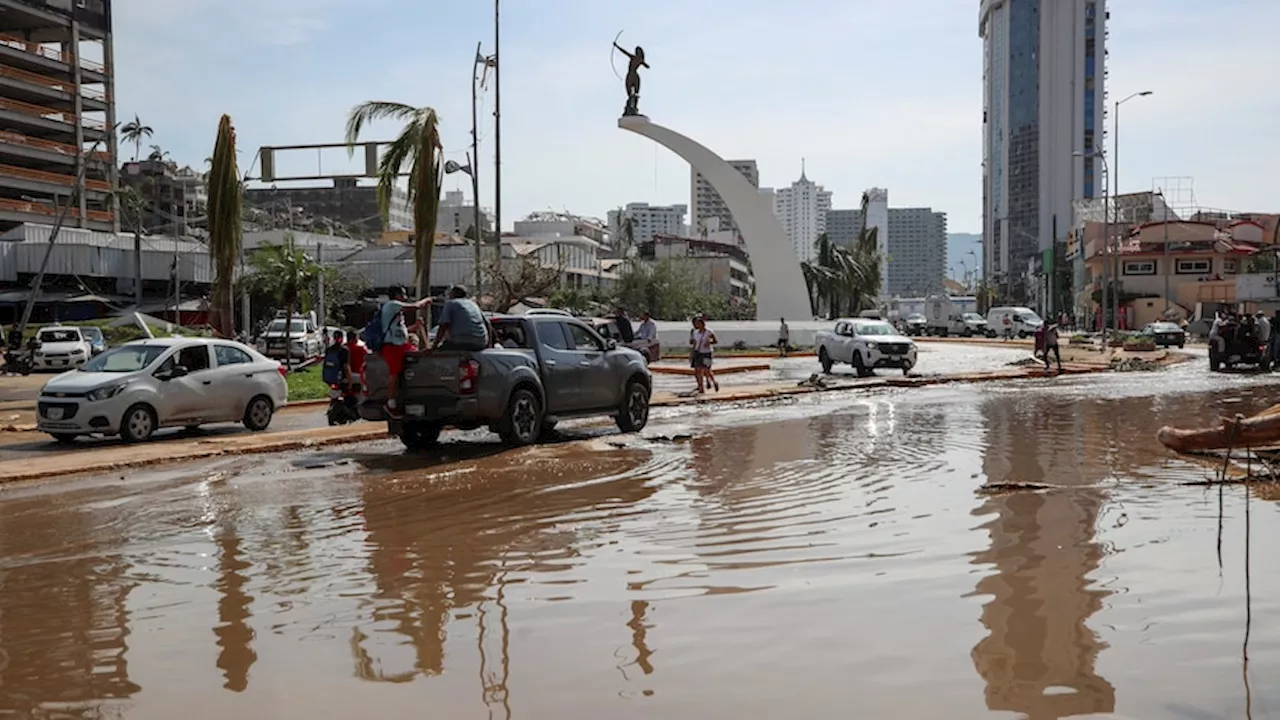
column 1051, row 346
column 784, row 337
column 395, row 341
column 625, row 332
column 1263, row 329
column 703, row 344
column 462, row 325
column 1274, row 349
column 648, row 334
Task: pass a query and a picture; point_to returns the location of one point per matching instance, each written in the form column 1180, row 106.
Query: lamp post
column 1106, row 228
column 470, row 169
column 1115, row 155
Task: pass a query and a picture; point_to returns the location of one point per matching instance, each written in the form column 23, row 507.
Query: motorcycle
column 344, row 404
column 17, row 363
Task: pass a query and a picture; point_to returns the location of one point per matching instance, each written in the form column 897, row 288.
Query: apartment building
column 56, row 111
column 708, row 204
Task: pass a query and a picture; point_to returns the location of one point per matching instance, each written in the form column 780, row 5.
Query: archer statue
column 633, row 78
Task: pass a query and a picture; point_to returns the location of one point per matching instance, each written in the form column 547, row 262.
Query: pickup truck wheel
column 420, row 435
column 858, row 366
column 634, row 413
column 521, row 424
column 825, row 359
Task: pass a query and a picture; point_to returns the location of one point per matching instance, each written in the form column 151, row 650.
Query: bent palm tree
column 134, row 131
column 225, row 231
column 418, row 146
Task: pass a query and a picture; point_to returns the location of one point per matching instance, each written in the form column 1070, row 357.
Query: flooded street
column 840, row 555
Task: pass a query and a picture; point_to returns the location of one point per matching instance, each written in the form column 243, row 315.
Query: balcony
column 41, row 121
column 19, row 211
column 44, row 90
column 51, row 154
column 40, row 181
column 47, row 59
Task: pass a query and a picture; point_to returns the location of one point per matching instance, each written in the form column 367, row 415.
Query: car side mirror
column 611, row 344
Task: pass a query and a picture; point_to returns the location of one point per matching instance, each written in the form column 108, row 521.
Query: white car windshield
column 875, row 328
column 57, row 336
column 1030, row 319
column 277, row 326
column 915, row 317
column 973, row 317
column 1163, row 327
column 126, row 359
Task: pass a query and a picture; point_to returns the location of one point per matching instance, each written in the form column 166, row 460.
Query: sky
column 870, row 93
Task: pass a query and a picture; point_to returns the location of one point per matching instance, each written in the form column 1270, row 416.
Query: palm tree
column 417, row 146
column 134, row 131
column 286, row 273
column 226, row 195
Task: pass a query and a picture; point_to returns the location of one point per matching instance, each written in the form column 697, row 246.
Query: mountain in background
column 959, row 245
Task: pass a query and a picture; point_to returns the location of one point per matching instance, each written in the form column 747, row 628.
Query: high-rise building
column 647, row 220
column 802, row 209
column 707, row 203
column 1043, row 101
column 913, row 242
column 917, row 252
column 56, row 109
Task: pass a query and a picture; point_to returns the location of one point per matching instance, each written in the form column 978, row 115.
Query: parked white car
column 1010, row 321
column 866, row 345
column 302, row 341
column 61, row 348
column 139, row 387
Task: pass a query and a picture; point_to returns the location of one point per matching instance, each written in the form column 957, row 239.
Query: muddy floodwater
column 837, row 556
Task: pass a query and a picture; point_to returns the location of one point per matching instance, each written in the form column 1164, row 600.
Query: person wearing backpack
column 337, row 364
column 387, row 335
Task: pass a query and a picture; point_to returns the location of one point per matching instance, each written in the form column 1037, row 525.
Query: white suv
column 61, row 348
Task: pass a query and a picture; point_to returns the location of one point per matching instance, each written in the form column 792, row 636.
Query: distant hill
column 959, row 245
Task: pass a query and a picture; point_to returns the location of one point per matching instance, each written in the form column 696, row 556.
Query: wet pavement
column 834, row 555
column 934, row 359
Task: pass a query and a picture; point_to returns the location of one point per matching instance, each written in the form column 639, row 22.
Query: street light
column 451, row 167
column 1106, row 227
column 1115, row 155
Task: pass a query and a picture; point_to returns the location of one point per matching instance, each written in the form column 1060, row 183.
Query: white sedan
column 142, row 386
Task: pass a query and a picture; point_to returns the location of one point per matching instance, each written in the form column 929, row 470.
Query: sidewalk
column 120, row 457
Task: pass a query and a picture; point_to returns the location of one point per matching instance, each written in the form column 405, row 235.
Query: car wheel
column 858, row 366
column 1182, row 344
column 138, row 424
column 906, row 371
column 258, row 413
column 418, row 436
column 634, row 413
column 825, row 359
column 64, row 438
column 521, row 423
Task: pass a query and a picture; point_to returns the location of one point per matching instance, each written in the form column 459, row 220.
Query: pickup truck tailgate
column 431, row 385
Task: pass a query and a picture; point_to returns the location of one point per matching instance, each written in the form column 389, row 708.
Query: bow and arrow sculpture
column 632, row 80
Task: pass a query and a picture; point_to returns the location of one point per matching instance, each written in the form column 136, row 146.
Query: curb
column 728, row 370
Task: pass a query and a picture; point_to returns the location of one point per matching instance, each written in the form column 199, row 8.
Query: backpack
column 374, row 334
column 332, row 372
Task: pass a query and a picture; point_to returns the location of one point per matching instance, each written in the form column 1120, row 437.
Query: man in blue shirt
column 462, row 325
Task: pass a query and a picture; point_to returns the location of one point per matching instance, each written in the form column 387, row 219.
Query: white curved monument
column 780, row 288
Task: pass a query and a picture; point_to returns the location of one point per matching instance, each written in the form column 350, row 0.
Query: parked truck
column 946, row 317
column 546, row 368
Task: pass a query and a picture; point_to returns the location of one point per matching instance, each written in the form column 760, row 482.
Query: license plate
column 416, row 410
column 55, row 413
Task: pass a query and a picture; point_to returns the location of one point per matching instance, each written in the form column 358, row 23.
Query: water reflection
column 236, row 655
column 439, row 545
column 1040, row 656
column 63, row 620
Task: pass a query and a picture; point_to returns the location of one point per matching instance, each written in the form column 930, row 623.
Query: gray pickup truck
column 547, row 367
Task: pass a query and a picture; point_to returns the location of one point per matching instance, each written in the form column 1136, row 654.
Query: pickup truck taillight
column 468, row 374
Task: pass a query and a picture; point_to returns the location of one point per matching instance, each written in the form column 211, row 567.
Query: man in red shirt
column 356, row 351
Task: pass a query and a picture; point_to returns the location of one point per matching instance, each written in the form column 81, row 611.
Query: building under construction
column 56, row 113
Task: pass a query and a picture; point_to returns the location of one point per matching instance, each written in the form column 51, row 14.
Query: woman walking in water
column 703, row 342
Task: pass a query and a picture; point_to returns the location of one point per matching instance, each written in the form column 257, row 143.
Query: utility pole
column 474, row 162
column 497, row 140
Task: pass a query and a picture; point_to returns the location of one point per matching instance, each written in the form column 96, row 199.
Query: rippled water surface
column 1014, row 551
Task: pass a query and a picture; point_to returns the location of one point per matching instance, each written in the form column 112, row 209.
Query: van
column 1013, row 321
